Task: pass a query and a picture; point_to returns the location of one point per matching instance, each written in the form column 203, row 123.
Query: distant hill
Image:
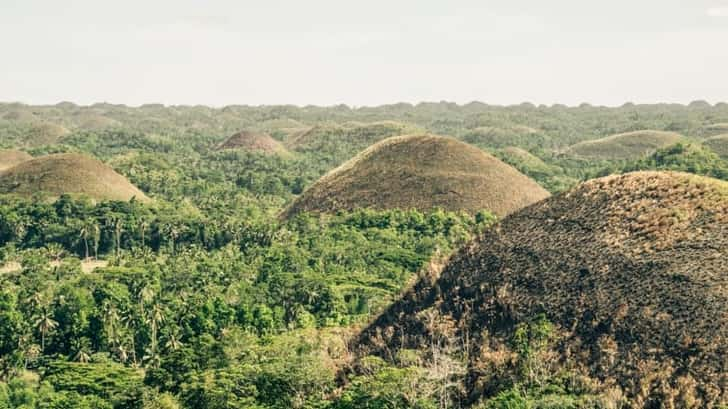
column 719, row 145
column 45, row 134
column 505, row 136
column 70, row 173
column 422, row 172
column 720, row 127
column 630, row 145
column 693, row 158
column 522, row 158
column 10, row 158
column 632, row 269
column 253, row 142
column 345, row 140
column 94, row 122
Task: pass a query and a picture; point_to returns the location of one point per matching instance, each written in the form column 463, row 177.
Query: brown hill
column 630, row 145
column 421, row 172
column 10, row 158
column 718, row 144
column 632, row 269
column 46, row 134
column 68, row 173
column 253, row 142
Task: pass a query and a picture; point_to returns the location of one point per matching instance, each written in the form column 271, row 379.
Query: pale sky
column 364, row 52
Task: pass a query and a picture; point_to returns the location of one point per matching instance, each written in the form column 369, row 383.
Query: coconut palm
column 45, row 324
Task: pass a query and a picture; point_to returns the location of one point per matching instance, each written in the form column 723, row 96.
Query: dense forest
column 205, row 297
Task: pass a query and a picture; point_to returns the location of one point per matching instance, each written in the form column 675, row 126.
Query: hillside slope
column 630, row 145
column 422, row 172
column 719, row 145
column 54, row 175
column 253, row 142
column 633, row 270
column 10, row 158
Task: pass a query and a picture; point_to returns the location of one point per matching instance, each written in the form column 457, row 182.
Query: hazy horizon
column 326, row 53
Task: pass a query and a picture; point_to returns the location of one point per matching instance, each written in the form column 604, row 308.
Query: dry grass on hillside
column 633, row 270
column 10, row 158
column 421, row 172
column 70, row 173
column 630, row 145
column 253, row 142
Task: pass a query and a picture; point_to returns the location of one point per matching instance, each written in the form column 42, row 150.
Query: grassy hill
column 10, row 158
column 45, row 134
column 75, row 174
column 422, row 172
column 345, row 140
column 253, row 142
column 630, row 145
column 692, row 158
column 631, row 270
column 719, row 145
column 505, row 136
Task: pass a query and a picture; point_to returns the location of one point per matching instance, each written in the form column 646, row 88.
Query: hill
column 45, row 134
column 421, row 172
column 631, row 269
column 69, row 173
column 253, row 142
column 719, row 144
column 719, row 127
column 692, row 158
column 522, row 158
column 10, row 158
column 348, row 136
column 94, row 122
column 630, row 145
column 505, row 136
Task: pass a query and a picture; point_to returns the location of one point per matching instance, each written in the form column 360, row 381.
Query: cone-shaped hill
column 68, row 173
column 10, row 158
column 253, row 142
column 630, row 145
column 421, row 172
column 632, row 270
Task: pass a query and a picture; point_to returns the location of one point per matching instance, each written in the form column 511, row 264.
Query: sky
column 364, row 52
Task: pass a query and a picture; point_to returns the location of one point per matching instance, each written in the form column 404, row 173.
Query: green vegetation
column 205, row 297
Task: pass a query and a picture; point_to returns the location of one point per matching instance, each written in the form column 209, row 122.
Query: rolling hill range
column 421, row 172
column 10, row 158
column 632, row 269
column 75, row 174
column 253, row 142
column 630, row 145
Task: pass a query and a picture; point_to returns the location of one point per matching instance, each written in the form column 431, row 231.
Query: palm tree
column 143, row 226
column 156, row 317
column 111, row 320
column 45, row 324
column 86, row 232
column 96, row 232
column 173, row 343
